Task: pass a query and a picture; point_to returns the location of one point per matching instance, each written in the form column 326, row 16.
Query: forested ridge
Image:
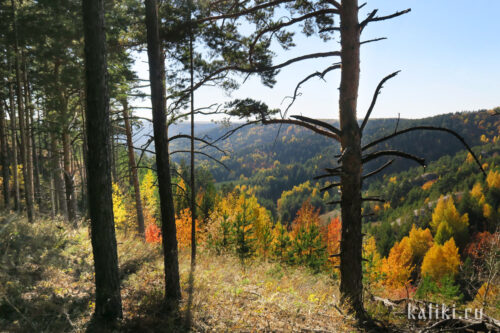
column 120, row 211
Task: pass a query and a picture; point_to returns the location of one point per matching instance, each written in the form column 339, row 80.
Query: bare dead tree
column 353, row 155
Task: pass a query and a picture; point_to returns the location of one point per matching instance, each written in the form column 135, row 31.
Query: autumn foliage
column 447, row 222
column 441, row 260
column 153, row 233
column 333, row 235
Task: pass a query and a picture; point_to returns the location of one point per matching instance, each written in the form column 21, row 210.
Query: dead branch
column 303, row 124
column 372, row 40
column 381, row 153
column 319, row 123
column 372, row 18
column 234, row 130
column 374, row 172
column 321, row 75
column 427, row 128
column 377, row 199
column 204, row 154
column 186, row 136
column 329, row 187
column 374, row 99
column 338, row 174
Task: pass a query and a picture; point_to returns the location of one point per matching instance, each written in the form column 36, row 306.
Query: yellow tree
column 183, row 226
column 373, row 261
column 149, row 197
column 419, row 241
column 493, row 179
column 120, row 209
column 405, row 256
column 397, row 267
column 441, row 260
column 447, row 222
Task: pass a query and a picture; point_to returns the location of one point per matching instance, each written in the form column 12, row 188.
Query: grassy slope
column 46, row 286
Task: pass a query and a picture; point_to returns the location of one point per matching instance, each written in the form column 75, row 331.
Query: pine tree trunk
column 57, row 174
column 108, row 299
column 22, row 123
column 134, row 179
column 351, row 286
column 13, row 127
column 156, row 75
column 29, row 143
column 52, row 194
column 69, row 177
column 113, row 157
column 36, row 165
column 84, row 158
column 192, row 178
column 4, row 158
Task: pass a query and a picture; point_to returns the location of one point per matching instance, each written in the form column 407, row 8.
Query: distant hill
column 275, row 158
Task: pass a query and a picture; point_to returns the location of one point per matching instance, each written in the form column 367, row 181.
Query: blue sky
column 448, row 52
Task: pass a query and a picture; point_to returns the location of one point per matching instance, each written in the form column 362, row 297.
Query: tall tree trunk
column 113, row 157
column 34, row 154
column 84, row 156
column 156, row 76
column 4, row 158
column 57, row 174
column 13, row 127
column 134, row 179
column 69, row 176
column 29, row 143
column 52, row 190
column 108, row 299
column 351, row 286
column 28, row 181
column 192, row 178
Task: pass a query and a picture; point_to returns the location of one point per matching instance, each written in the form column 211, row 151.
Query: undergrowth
column 46, row 285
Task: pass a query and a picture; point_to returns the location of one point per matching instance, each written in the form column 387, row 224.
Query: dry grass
column 46, row 285
column 228, row 297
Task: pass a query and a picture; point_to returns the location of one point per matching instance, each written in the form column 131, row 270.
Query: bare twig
column 374, row 99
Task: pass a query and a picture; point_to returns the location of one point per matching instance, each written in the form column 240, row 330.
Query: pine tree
column 108, row 298
column 282, row 243
column 243, row 233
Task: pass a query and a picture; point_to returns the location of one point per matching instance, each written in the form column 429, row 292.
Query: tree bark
column 69, row 176
column 57, row 174
column 36, row 165
column 28, row 181
column 351, row 274
column 29, row 142
column 134, row 179
column 156, row 76
column 108, row 298
column 114, row 173
column 4, row 158
column 13, row 127
column 192, row 179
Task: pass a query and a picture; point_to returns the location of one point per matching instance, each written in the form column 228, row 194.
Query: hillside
column 273, row 159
